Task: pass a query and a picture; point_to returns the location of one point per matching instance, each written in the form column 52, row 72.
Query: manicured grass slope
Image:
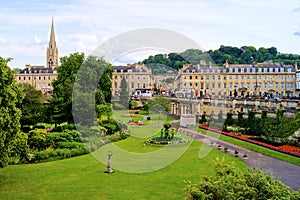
column 83, row 178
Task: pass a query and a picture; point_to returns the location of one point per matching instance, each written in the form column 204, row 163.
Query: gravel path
column 286, row 172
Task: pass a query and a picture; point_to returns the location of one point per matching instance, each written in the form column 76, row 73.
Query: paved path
column 286, row 172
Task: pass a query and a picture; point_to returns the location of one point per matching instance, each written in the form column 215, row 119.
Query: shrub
column 103, row 110
column 37, row 139
column 117, row 106
column 231, row 182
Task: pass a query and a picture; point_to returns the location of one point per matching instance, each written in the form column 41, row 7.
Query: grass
column 253, row 147
column 83, row 178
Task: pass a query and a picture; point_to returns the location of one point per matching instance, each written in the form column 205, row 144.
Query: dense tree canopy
column 32, row 105
column 243, row 55
column 11, row 96
column 61, row 103
column 124, row 97
column 92, row 88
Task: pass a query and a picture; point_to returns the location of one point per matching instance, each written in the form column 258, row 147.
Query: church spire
column 52, row 51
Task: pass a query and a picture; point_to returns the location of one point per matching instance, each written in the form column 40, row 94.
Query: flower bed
column 283, row 150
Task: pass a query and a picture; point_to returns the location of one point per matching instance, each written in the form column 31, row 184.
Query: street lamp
column 109, row 169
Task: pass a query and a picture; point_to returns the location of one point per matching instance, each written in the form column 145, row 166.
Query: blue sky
column 82, row 25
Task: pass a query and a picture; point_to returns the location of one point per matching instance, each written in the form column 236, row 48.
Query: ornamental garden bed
column 285, row 149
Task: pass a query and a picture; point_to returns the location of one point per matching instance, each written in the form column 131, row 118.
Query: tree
column 231, row 182
column 32, row 105
column 162, row 101
column 60, row 107
column 124, row 95
column 92, row 84
column 11, row 96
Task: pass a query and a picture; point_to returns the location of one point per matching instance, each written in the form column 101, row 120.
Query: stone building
column 41, row 77
column 139, row 78
column 237, row 80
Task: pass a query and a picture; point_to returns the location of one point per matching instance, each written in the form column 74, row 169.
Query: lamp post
column 109, row 169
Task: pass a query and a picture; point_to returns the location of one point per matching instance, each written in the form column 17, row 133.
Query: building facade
column 233, row 80
column 139, row 79
column 41, row 77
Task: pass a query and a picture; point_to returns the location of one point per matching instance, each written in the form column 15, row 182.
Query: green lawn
column 282, row 156
column 83, row 178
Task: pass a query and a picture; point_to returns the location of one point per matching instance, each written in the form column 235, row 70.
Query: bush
column 103, row 110
column 37, row 139
column 231, row 182
column 51, row 155
column 117, row 106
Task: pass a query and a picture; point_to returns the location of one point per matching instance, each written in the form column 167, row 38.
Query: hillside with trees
column 161, row 63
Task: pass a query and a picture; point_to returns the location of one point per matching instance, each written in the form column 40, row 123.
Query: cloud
column 2, row 39
column 296, row 9
column 297, row 33
column 37, row 40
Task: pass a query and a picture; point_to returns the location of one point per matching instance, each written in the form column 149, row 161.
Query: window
column 219, row 85
column 39, row 78
column 276, row 85
column 259, row 69
column 207, row 77
column 236, row 77
column 29, row 78
column 144, row 77
column 265, row 70
column 271, row 85
column 49, row 85
column 230, row 70
column 138, row 78
column 265, row 76
column 132, row 85
column 266, row 85
column 230, row 85
column 219, row 77
column 282, row 77
column 276, row 75
column 196, row 77
column 288, row 77
column 24, row 78
column 144, row 85
column 282, row 85
column 213, row 85
column 242, row 77
column 248, row 77
column 248, row 70
column 39, row 85
column 236, row 85
column 224, row 85
column 236, row 70
column 242, row 85
column 191, row 77
column 253, row 69
column 224, row 78
column 230, row 77
column 270, row 69
column 288, row 85
column 44, row 77
column 282, row 69
column 48, row 77
column 202, row 86
column 289, row 70
column 138, row 85
column 19, row 77
column 242, row 70
column 213, row 77
column 276, row 70
column 201, row 77
column 271, row 77
column 248, row 85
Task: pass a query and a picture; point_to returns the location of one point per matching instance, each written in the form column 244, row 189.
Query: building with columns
column 261, row 79
column 41, row 77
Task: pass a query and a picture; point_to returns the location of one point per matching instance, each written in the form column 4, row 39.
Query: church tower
column 52, row 51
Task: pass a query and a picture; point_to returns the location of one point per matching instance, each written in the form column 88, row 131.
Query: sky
column 82, row 25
